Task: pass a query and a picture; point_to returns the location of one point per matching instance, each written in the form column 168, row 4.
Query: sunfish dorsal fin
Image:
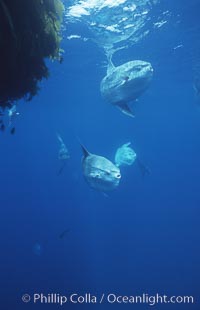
column 85, row 151
column 111, row 66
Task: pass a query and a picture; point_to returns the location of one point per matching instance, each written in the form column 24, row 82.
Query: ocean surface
column 59, row 236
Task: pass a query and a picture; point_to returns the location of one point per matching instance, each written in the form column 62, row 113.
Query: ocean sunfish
column 63, row 151
column 125, row 155
column 99, row 172
column 125, row 83
column 63, row 154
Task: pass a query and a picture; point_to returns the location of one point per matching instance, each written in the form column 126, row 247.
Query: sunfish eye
column 118, row 176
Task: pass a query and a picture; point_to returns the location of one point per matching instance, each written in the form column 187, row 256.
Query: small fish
column 64, row 233
column 12, row 131
column 2, row 127
column 12, row 114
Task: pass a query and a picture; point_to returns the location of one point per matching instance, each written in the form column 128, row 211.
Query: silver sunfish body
column 99, row 172
column 125, row 83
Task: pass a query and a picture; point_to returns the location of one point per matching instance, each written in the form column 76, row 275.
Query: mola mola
column 99, row 172
column 125, row 83
column 125, row 155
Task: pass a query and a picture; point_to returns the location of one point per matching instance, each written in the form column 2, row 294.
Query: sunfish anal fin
column 125, row 109
column 143, row 168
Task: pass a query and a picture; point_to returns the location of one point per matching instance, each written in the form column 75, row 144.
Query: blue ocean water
column 144, row 236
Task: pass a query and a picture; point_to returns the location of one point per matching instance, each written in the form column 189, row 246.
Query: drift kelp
column 29, row 33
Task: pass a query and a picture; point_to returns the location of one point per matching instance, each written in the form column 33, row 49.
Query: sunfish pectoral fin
column 125, row 109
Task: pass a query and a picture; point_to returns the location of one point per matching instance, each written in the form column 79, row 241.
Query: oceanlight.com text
column 111, row 298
